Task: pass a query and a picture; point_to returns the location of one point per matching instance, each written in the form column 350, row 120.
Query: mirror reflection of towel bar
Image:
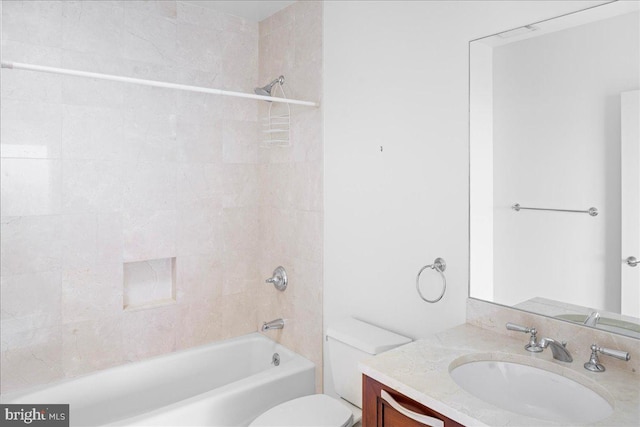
column 590, row 211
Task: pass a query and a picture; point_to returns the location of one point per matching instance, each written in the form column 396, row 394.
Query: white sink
column 530, row 391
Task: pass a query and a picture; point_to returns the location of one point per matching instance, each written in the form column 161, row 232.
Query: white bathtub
column 228, row 383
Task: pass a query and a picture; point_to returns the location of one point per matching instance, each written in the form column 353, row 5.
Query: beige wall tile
column 92, row 186
column 198, row 279
column 30, row 187
column 149, row 37
column 37, row 360
column 291, row 183
column 165, row 9
column 149, row 332
column 149, row 235
column 149, row 186
column 92, row 133
column 30, row 244
column 141, row 173
column 30, row 129
column 30, row 301
column 199, row 141
column 92, row 345
column 200, row 230
column 93, row 26
column 33, row 22
column 91, row 293
column 193, row 14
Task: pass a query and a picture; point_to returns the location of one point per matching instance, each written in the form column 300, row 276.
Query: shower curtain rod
column 154, row 83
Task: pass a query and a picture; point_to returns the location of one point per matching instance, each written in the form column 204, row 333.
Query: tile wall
column 292, row 176
column 96, row 174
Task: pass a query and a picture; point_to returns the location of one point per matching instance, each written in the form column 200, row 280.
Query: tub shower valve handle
column 532, row 345
column 279, row 279
column 594, row 364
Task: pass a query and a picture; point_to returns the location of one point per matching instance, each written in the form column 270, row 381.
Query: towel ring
column 440, row 266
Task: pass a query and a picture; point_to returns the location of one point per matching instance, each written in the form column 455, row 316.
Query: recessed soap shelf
column 149, row 283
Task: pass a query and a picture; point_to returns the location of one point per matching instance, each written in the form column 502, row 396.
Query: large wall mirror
column 554, row 124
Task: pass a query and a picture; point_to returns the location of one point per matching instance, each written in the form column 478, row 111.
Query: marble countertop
column 420, row 370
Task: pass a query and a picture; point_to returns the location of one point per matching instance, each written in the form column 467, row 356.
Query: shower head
column 266, row 90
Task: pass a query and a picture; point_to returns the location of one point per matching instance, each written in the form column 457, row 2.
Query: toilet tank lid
column 363, row 336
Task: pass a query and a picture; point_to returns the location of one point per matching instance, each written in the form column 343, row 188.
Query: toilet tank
column 351, row 341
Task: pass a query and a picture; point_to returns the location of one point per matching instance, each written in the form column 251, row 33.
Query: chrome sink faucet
column 592, row 319
column 559, row 350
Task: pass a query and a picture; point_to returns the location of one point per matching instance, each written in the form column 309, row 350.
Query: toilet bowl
column 349, row 341
column 313, row 410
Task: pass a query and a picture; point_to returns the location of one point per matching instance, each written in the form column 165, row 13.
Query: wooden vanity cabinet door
column 376, row 412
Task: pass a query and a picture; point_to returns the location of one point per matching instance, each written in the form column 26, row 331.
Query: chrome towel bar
column 590, row 211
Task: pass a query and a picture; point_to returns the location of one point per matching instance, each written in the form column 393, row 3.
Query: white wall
column 630, row 167
column 557, row 145
column 396, row 75
column 481, row 170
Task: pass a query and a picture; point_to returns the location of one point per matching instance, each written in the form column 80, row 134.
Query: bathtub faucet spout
column 274, row 324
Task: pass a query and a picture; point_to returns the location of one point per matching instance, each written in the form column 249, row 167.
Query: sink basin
column 606, row 324
column 530, row 391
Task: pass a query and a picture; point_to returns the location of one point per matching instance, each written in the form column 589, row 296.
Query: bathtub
column 228, row 383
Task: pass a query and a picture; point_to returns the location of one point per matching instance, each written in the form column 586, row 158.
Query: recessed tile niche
column 149, row 283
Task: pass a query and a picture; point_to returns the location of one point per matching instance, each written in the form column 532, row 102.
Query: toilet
column 350, row 341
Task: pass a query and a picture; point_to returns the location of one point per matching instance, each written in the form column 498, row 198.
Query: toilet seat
column 314, row 410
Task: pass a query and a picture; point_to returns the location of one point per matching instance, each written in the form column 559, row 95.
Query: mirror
column 553, row 134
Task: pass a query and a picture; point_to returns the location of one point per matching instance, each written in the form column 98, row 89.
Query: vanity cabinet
column 382, row 406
